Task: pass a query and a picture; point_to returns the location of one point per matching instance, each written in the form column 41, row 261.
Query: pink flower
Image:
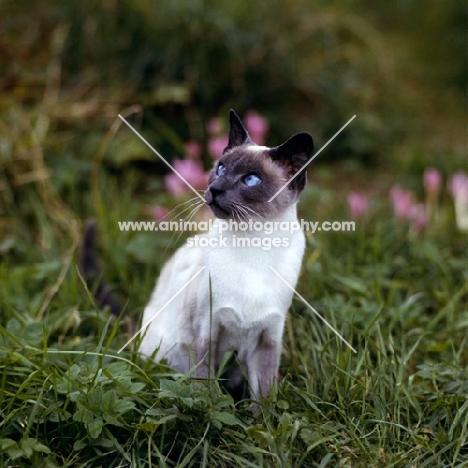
column 191, row 171
column 459, row 190
column 159, row 212
column 418, row 216
column 217, row 145
column 358, row 205
column 257, row 126
column 402, row 202
column 405, row 208
column 193, row 149
column 213, row 127
column 432, row 181
column 458, row 186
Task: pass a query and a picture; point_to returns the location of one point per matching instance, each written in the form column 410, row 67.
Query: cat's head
column 247, row 176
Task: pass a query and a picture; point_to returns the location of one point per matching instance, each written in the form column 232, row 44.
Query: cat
column 234, row 302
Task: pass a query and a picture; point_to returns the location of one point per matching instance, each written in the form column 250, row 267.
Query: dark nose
column 217, row 187
column 212, row 192
column 215, row 191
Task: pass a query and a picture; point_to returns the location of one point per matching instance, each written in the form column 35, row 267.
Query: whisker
column 194, row 207
column 242, row 212
column 183, row 203
column 235, row 214
column 236, row 210
column 190, row 216
column 187, row 208
column 195, row 210
column 251, row 210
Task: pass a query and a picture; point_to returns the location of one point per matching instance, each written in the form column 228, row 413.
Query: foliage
column 187, row 61
column 68, row 398
column 397, row 294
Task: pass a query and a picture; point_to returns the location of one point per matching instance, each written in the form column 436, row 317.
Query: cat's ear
column 238, row 135
column 292, row 156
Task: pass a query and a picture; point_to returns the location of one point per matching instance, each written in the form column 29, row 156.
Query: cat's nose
column 215, row 191
column 217, row 187
column 212, row 192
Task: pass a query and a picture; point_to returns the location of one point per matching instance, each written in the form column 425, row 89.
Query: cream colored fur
column 248, row 307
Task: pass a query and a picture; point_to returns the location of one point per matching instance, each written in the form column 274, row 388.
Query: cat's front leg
column 263, row 365
column 206, row 351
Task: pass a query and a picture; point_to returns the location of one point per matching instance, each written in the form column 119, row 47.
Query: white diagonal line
column 158, row 154
column 312, row 158
column 161, row 309
column 312, row 309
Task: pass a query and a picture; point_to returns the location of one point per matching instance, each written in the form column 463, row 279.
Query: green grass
column 69, row 400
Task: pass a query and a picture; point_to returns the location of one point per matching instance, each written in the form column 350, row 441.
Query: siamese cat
column 234, row 301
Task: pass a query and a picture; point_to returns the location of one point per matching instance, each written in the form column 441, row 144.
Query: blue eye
column 221, row 169
column 252, row 179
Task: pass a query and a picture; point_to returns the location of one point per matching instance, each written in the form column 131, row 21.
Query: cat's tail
column 90, row 269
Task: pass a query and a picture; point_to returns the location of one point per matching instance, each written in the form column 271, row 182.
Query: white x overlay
column 312, row 309
column 161, row 309
column 201, row 269
column 312, row 158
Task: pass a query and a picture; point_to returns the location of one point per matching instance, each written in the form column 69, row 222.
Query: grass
column 69, row 400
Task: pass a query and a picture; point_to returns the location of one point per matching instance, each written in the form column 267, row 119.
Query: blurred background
column 174, row 69
column 396, row 287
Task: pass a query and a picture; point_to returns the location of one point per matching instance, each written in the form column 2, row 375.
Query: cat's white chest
column 242, row 280
column 240, row 298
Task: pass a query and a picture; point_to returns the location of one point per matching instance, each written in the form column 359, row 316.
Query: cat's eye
column 252, row 179
column 221, row 169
